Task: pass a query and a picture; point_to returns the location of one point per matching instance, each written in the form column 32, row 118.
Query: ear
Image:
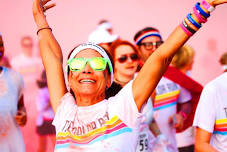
column 69, row 79
column 108, row 83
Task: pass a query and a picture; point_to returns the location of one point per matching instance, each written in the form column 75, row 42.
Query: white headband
column 96, row 48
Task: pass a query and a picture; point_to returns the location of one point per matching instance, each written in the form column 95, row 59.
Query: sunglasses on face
column 150, row 45
column 124, row 58
column 96, row 63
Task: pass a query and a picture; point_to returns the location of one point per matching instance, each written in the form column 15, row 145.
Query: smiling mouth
column 87, row 81
column 130, row 67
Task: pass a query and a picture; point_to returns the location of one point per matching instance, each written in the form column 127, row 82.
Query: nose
column 87, row 69
column 129, row 59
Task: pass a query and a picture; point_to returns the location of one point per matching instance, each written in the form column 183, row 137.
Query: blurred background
column 73, row 20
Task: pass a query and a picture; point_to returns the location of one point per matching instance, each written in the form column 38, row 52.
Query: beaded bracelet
column 43, row 29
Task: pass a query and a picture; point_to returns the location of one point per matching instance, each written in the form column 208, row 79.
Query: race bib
column 143, row 145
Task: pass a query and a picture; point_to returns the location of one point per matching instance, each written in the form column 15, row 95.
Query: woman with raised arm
column 85, row 120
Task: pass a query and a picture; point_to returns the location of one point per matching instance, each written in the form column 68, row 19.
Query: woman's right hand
column 39, row 8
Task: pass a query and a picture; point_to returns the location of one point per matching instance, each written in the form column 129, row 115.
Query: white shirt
column 110, row 125
column 211, row 112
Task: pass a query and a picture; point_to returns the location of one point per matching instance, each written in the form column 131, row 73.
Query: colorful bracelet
column 190, row 24
column 43, row 29
column 188, row 27
column 207, row 6
column 185, row 30
column 205, row 10
column 193, row 21
column 200, row 18
column 201, row 11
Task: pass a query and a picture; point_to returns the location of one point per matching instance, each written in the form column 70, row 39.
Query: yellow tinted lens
column 77, row 64
column 98, row 64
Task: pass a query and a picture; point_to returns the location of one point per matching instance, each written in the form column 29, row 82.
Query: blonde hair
column 223, row 59
column 183, row 57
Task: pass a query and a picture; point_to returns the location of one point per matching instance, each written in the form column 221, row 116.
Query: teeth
column 91, row 81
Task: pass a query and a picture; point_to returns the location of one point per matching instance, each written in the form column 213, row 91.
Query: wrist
column 183, row 114
column 43, row 28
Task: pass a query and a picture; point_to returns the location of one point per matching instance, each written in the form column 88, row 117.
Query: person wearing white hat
column 103, row 35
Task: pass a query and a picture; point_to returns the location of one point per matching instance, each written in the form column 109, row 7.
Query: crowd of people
column 115, row 95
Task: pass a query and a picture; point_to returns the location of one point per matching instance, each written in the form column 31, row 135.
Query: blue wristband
column 201, row 11
column 193, row 21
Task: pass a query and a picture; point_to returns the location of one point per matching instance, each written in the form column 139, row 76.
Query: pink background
column 73, row 20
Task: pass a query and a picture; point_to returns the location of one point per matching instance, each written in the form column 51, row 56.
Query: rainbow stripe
column 220, row 127
column 166, row 100
column 111, row 128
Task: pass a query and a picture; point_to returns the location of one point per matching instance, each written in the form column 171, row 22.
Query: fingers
column 45, row 1
column 48, row 7
column 44, row 6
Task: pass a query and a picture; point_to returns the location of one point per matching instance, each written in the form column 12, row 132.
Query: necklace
column 122, row 83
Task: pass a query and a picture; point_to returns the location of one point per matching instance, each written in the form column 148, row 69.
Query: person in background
column 25, row 61
column 5, row 62
column 105, row 25
column 211, row 114
column 30, row 67
column 103, row 35
column 12, row 109
column 168, row 93
column 45, row 117
column 126, row 62
column 183, row 60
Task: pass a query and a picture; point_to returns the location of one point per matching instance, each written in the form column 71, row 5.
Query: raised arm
column 157, row 63
column 50, row 52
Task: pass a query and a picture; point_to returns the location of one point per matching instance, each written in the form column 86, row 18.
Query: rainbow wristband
column 200, row 18
column 193, row 21
column 201, row 11
column 185, row 30
column 207, row 6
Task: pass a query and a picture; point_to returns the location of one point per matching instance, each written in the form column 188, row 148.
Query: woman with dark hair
column 88, row 121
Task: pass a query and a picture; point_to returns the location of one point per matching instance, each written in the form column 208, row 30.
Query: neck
column 122, row 80
column 88, row 100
